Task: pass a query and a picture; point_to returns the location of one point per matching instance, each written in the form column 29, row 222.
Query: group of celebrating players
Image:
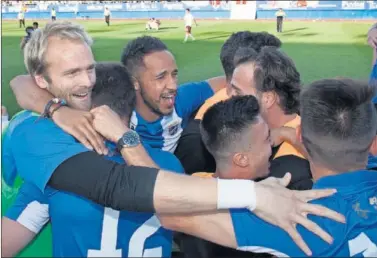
column 103, row 149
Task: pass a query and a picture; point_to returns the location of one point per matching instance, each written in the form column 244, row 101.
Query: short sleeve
column 30, row 208
column 39, row 147
column 190, row 97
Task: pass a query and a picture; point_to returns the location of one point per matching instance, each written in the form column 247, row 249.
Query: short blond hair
column 35, row 49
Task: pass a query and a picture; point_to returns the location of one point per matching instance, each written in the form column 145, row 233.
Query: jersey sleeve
column 191, row 96
column 255, row 235
column 39, row 147
column 30, row 208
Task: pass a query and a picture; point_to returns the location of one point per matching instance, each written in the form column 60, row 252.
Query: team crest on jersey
column 173, row 129
column 132, row 126
column 360, row 212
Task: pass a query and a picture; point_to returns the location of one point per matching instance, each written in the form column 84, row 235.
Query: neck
column 319, row 171
column 276, row 118
column 230, row 172
column 144, row 111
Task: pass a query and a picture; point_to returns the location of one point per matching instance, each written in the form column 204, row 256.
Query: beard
column 150, row 104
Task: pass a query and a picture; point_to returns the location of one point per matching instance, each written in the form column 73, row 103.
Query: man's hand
column 372, row 37
column 108, row 123
column 79, row 124
column 285, row 208
column 287, row 134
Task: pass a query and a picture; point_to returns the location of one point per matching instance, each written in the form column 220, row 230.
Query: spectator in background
column 53, row 14
column 153, row 24
column 189, row 20
column 21, row 18
column 107, row 14
column 279, row 20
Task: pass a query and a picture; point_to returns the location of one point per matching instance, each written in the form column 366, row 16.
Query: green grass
column 319, row 49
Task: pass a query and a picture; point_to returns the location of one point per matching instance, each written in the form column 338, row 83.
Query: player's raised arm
column 218, row 227
column 71, row 167
column 28, row 95
column 111, row 126
column 75, row 122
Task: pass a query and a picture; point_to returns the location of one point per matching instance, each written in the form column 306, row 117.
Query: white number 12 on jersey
column 363, row 244
column 136, row 246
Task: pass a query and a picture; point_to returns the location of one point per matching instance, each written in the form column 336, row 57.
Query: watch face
column 131, row 138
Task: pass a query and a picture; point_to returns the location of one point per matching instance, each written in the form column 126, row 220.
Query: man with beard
column 113, row 88
column 191, row 150
column 60, row 163
column 162, row 108
column 336, row 114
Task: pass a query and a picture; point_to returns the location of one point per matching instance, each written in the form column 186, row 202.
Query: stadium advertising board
column 67, row 9
column 143, row 6
column 321, row 4
column 353, row 5
column 371, row 4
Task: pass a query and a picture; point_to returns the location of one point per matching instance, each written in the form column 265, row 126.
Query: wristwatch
column 128, row 140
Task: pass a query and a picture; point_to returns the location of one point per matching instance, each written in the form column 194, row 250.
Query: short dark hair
column 275, row 71
column 135, row 51
column 245, row 55
column 254, row 40
column 188, row 9
column 36, row 24
column 223, row 124
column 114, row 88
column 338, row 122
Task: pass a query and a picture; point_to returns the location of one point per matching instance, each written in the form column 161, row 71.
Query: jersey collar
column 346, row 179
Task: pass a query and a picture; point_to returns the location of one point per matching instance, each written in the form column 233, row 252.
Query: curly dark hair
column 254, row 40
column 135, row 51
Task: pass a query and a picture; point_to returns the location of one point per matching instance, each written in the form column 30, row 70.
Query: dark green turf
column 320, row 49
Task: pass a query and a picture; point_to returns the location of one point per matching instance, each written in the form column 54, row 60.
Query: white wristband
column 236, row 194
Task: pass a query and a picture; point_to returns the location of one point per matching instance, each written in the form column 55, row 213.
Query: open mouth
column 81, row 95
column 169, row 99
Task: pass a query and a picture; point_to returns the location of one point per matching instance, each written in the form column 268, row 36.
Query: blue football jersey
column 80, row 227
column 356, row 199
column 165, row 132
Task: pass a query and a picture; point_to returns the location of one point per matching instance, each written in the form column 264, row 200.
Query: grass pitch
column 319, row 49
